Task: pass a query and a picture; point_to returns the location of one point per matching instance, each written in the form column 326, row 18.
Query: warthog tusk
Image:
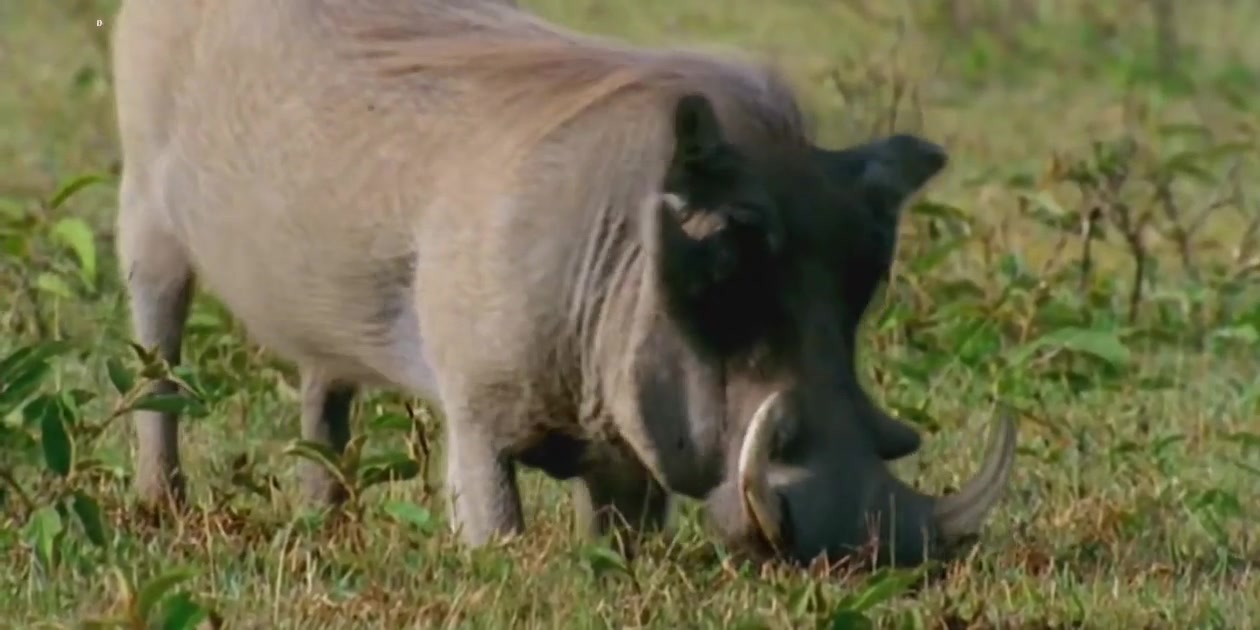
column 960, row 515
column 760, row 503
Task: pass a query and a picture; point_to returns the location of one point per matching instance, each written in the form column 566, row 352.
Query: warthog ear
column 717, row 230
column 697, row 133
column 887, row 171
column 884, row 173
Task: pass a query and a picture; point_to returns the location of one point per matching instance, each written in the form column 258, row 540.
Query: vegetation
column 1090, row 259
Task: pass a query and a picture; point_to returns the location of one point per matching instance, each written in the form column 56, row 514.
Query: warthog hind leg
column 326, row 409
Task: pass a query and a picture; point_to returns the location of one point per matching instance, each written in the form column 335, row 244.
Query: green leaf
column 104, row 623
column 182, row 613
column 18, row 386
column 409, row 513
column 318, row 453
column 13, row 211
column 15, row 441
column 75, row 233
column 807, row 600
column 153, row 591
column 879, row 588
column 89, row 514
column 79, row 397
column 1219, row 502
column 1045, row 209
column 21, row 359
column 1245, row 467
column 85, row 77
column 935, row 254
column 388, row 467
column 1101, row 344
column 1236, row 336
column 1172, row 130
column 165, row 402
column 353, row 452
column 190, row 381
column 1230, row 149
column 50, row 282
column 1189, row 164
column 601, row 560
column 912, row 619
column 850, row 620
column 390, row 422
column 1248, row 441
column 96, row 466
column 120, row 376
column 70, row 188
column 145, row 355
column 43, row 529
column 941, row 211
column 55, row 417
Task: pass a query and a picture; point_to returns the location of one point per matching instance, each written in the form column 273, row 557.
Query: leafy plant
column 154, row 603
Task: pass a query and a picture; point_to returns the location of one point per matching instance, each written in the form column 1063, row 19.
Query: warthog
column 627, row 267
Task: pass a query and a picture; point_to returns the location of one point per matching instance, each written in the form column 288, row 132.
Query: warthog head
column 768, row 257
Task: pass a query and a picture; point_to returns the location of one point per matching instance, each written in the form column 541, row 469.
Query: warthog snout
column 801, row 517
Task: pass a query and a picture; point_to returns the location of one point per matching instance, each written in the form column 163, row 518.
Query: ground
column 1090, row 140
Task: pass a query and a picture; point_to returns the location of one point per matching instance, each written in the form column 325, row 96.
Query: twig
column 7, row 478
column 1089, row 229
column 1167, row 46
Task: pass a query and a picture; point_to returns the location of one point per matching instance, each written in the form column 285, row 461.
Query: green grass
column 1135, row 500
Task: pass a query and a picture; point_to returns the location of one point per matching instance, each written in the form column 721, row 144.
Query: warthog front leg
column 159, row 280
column 620, row 500
column 481, row 488
column 326, row 408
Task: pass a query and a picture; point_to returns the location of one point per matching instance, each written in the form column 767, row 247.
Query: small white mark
column 99, row 23
column 673, row 202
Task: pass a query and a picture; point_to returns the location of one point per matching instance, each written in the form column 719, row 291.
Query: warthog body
column 626, row 267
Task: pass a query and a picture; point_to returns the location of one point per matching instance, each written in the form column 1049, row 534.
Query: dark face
column 768, row 262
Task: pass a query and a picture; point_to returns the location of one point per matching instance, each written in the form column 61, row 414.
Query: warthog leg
column 159, row 281
column 326, row 408
column 622, row 500
column 481, row 488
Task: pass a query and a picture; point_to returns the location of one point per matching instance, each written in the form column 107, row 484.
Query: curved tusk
column 960, row 515
column 760, row 503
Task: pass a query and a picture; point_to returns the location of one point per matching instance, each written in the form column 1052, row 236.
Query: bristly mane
column 540, row 75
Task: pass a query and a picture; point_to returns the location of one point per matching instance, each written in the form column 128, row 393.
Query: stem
column 1166, row 44
column 7, row 478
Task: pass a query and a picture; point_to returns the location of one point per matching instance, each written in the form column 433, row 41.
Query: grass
column 1081, row 154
